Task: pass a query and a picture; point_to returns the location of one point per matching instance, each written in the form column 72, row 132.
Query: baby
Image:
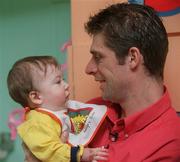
column 36, row 83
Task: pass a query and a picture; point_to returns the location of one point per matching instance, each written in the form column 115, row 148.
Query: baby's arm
column 29, row 157
column 43, row 141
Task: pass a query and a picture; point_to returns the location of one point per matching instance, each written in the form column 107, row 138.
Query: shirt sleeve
column 168, row 153
column 43, row 139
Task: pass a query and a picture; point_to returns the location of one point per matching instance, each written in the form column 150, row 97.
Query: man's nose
column 91, row 68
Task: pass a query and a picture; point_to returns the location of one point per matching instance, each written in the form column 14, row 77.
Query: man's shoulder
column 114, row 109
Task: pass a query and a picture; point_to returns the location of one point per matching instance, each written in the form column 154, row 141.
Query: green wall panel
column 28, row 27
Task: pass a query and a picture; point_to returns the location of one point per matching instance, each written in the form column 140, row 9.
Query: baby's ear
column 35, row 97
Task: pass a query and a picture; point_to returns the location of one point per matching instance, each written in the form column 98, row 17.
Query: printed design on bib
column 78, row 118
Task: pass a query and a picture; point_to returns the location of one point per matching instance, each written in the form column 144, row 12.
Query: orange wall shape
column 172, row 66
column 172, row 71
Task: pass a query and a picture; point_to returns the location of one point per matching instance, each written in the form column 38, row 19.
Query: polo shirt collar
column 141, row 119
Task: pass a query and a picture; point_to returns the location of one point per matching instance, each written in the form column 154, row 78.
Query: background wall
column 172, row 65
column 28, row 27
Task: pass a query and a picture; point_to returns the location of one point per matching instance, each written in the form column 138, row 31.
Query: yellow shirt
column 42, row 136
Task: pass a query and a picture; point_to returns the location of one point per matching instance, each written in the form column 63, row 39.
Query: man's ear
column 134, row 57
column 35, row 97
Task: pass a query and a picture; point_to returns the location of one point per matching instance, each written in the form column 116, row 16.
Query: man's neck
column 142, row 97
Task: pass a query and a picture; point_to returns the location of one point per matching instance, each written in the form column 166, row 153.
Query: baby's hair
column 20, row 77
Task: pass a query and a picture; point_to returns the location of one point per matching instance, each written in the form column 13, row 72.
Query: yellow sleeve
column 80, row 153
column 43, row 139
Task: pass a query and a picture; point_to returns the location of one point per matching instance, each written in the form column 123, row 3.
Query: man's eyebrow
column 93, row 52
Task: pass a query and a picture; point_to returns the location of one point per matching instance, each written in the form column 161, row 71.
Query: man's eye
column 97, row 58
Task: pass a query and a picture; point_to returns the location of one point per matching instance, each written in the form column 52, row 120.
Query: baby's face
column 53, row 89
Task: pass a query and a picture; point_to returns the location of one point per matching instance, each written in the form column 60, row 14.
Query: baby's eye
column 58, row 82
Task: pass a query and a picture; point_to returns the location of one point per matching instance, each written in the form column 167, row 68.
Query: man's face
column 106, row 69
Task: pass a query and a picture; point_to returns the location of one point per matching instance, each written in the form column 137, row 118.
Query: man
column 129, row 50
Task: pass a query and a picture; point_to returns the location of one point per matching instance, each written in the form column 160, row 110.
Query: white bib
column 83, row 121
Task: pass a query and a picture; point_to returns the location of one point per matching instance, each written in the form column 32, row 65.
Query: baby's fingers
column 101, row 154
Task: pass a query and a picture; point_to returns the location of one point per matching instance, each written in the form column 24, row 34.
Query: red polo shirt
column 152, row 135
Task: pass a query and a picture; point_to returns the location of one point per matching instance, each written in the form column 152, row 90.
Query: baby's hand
column 95, row 154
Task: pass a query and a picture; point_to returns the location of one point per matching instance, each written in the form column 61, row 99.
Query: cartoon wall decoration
column 63, row 49
column 163, row 7
column 15, row 118
column 136, row 1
